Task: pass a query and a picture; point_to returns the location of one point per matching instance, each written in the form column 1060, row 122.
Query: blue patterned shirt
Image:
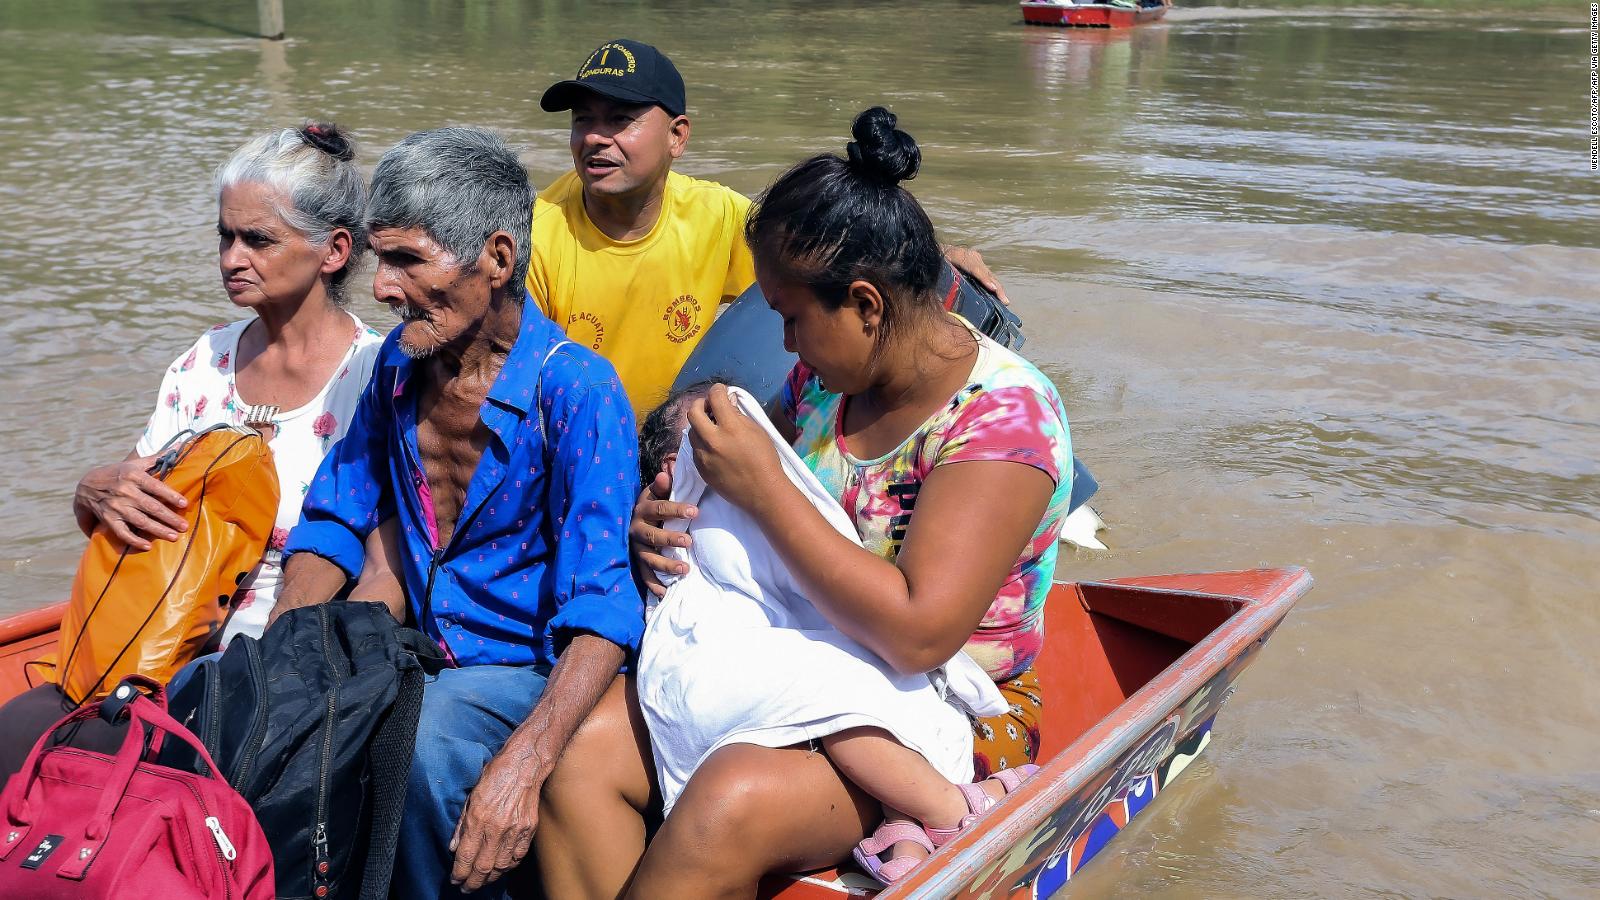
column 540, row 551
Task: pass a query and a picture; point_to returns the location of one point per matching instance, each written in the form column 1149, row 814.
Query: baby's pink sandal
column 868, row 853
column 979, row 801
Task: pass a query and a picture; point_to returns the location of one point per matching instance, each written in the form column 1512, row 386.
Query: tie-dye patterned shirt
column 1008, row 410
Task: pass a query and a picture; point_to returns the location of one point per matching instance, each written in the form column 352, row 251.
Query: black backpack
column 314, row 724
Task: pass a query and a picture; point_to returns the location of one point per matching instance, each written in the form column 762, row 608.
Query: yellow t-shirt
column 643, row 304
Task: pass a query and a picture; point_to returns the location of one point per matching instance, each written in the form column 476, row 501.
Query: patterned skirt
column 1012, row 738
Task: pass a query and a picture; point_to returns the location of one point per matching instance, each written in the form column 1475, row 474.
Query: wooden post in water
column 271, row 14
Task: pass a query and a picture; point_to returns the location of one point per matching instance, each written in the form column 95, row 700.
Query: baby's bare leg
column 897, row 776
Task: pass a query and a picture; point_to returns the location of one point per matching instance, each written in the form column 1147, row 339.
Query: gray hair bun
column 330, row 139
column 313, row 168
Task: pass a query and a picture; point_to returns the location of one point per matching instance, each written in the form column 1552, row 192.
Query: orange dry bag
column 149, row 613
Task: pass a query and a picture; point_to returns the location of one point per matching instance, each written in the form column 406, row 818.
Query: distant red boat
column 1091, row 15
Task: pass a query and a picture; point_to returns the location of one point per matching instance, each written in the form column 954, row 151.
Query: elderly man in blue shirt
column 506, row 455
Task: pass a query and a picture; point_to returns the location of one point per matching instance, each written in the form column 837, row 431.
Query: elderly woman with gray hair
column 291, row 208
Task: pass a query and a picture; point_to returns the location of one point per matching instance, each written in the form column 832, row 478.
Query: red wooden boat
column 1090, row 15
column 25, row 637
column 1134, row 671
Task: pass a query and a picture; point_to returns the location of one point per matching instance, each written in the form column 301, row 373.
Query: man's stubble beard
column 417, row 353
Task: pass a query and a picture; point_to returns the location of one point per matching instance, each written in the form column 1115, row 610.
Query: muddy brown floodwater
column 1321, row 286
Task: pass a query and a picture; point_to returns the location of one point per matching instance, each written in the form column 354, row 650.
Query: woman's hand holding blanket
column 734, row 453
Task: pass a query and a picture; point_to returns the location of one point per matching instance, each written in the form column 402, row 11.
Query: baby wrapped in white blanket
column 734, row 653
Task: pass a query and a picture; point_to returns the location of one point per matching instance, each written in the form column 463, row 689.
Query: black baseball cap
column 624, row 70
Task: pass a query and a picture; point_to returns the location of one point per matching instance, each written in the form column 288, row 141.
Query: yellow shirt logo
column 682, row 318
column 586, row 328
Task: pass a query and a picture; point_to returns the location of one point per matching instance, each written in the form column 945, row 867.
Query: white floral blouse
column 198, row 391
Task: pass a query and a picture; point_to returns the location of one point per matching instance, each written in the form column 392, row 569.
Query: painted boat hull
column 1096, row 15
column 1133, row 674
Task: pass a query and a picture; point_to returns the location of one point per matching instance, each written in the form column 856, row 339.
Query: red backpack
column 79, row 824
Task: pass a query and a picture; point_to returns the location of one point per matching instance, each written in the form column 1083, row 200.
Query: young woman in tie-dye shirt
column 953, row 458
column 1006, row 411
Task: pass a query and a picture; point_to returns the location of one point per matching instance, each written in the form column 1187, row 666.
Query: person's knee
column 479, row 703
column 727, row 804
column 720, row 838
column 594, row 761
column 438, row 760
column 458, row 732
column 439, row 768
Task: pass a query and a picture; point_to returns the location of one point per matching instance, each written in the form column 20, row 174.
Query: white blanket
column 735, row 654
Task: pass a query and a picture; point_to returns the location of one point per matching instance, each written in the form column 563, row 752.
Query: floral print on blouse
column 198, row 392
column 1008, row 410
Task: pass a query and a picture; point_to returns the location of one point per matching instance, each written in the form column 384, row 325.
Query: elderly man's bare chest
column 451, row 438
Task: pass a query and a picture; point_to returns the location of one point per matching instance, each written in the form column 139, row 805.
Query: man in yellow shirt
column 630, row 258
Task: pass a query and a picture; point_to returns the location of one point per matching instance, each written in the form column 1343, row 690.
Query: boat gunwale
column 955, row 865
column 30, row 623
column 1046, row 4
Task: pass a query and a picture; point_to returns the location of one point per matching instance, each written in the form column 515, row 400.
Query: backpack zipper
column 320, row 859
column 223, row 857
column 229, row 852
column 252, row 655
column 213, row 697
column 320, row 862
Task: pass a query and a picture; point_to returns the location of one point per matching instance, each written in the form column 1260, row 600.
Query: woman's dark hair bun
column 880, row 151
column 328, row 138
